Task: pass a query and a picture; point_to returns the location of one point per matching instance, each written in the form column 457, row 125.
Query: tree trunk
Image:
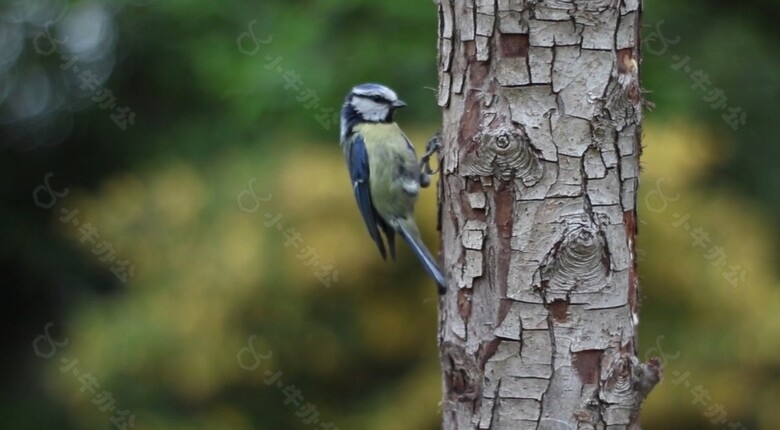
column 542, row 108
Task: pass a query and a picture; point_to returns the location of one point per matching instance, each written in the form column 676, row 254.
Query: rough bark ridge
column 542, row 110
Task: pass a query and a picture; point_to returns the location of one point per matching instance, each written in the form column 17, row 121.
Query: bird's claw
column 434, row 146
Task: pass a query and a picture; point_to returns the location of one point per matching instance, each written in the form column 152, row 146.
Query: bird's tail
column 410, row 233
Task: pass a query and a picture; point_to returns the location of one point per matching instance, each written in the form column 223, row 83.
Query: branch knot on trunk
column 579, row 261
column 504, row 153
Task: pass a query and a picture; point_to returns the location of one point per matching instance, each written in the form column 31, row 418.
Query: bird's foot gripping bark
column 433, row 147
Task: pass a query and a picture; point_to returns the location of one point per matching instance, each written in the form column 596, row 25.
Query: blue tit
column 384, row 170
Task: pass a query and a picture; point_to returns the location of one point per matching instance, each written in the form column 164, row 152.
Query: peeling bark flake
column 587, row 364
column 559, row 310
column 514, row 45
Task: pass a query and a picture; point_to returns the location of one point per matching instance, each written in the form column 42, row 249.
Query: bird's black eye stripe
column 374, row 97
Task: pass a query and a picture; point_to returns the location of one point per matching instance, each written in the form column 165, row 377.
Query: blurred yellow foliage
column 208, row 275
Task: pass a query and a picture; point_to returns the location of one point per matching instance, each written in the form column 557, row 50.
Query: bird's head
column 373, row 103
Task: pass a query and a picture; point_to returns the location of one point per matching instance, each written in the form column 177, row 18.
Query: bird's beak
column 398, row 104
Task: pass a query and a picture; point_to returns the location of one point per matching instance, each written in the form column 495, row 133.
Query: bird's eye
column 376, row 98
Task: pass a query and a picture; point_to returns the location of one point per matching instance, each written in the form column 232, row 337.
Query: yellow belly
column 393, row 169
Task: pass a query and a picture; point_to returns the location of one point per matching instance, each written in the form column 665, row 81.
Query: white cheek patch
column 369, row 109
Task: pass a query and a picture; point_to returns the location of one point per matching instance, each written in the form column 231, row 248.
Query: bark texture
column 542, row 110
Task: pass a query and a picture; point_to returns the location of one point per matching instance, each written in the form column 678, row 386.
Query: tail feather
column 412, row 237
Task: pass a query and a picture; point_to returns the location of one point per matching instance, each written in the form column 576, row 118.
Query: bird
column 386, row 176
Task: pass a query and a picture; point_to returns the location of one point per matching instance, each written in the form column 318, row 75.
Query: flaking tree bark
column 541, row 132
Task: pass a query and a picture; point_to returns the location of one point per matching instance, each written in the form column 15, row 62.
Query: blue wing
column 357, row 161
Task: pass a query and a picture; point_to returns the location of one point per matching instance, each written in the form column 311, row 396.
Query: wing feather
column 357, row 160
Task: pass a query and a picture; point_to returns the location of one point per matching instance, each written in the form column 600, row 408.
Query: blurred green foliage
column 210, row 118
